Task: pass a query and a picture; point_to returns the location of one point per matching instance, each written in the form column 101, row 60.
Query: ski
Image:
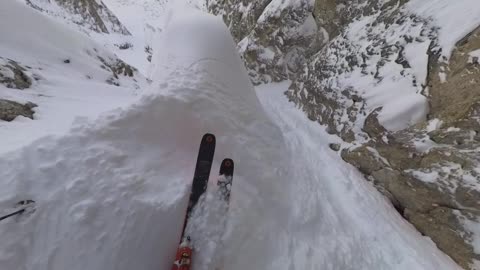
column 224, row 182
column 183, row 258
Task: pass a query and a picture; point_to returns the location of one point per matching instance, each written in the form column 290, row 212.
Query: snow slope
column 62, row 90
column 111, row 194
column 455, row 19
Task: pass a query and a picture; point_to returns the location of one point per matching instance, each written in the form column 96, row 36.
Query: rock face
column 274, row 39
column 90, row 14
column 339, row 52
column 13, row 75
column 118, row 68
column 9, row 110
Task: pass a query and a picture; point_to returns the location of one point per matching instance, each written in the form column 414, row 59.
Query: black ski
column 201, row 174
column 226, row 177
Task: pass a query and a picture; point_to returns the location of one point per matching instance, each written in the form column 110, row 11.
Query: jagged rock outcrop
column 435, row 190
column 326, row 88
column 274, row 39
column 428, row 165
column 118, row 68
column 89, row 14
column 9, row 110
column 13, row 75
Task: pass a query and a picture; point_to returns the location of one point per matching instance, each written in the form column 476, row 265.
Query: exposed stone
column 438, row 224
column 372, row 127
column 335, row 146
column 9, row 110
column 431, row 185
column 455, row 98
column 118, row 68
column 363, row 158
column 94, row 14
column 13, row 75
column 274, row 42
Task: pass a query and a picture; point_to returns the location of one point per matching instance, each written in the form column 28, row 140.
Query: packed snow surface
column 111, row 194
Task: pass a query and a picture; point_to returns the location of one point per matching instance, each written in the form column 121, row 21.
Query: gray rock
column 9, row 110
column 335, row 147
column 314, row 62
column 274, row 43
column 13, row 75
column 94, row 14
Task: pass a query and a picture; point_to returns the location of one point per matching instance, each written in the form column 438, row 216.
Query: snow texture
column 456, row 19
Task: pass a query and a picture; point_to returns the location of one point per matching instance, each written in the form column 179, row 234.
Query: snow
column 474, row 55
column 453, row 129
column 427, row 177
column 143, row 28
column 267, row 54
column 111, row 192
column 401, row 105
column 417, row 57
column 456, row 19
column 443, row 77
column 63, row 91
column 275, row 8
column 434, row 124
column 475, row 239
column 381, row 81
column 447, row 175
column 395, row 89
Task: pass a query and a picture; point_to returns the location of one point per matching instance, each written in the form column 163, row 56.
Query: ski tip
column 227, row 166
column 208, row 138
column 227, row 163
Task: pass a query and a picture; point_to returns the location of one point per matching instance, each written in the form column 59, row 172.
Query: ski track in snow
column 112, row 193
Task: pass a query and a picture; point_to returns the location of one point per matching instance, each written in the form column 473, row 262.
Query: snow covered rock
column 13, row 75
column 374, row 72
column 436, row 163
column 9, row 110
column 89, row 14
column 275, row 37
column 58, row 68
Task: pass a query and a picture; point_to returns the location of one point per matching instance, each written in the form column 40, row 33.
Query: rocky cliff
column 402, row 94
column 89, row 14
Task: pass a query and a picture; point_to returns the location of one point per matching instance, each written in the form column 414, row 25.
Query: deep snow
column 112, row 192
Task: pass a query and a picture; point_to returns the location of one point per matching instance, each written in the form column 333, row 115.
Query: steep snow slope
column 144, row 25
column 111, row 194
column 70, row 74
